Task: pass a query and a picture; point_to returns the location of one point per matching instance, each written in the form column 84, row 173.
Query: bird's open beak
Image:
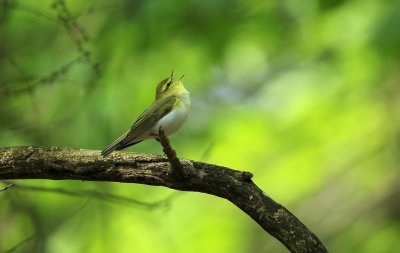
column 181, row 77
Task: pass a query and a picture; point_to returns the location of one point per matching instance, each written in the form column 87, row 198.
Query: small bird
column 169, row 111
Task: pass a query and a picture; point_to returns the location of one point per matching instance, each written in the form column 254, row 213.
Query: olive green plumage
column 169, row 111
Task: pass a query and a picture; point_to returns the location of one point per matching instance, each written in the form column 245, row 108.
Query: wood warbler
column 169, row 111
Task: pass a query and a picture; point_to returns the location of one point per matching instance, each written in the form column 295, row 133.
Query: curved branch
column 127, row 167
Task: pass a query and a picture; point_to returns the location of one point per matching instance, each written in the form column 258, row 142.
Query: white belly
column 175, row 119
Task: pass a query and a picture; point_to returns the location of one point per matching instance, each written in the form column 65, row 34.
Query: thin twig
column 100, row 195
column 50, row 228
column 6, row 187
column 176, row 165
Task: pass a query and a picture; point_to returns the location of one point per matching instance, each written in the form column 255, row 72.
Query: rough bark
column 235, row 186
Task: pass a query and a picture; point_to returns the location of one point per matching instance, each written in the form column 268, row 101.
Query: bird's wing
column 114, row 145
column 145, row 121
column 152, row 115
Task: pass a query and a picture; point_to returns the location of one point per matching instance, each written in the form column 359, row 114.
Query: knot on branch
column 247, row 176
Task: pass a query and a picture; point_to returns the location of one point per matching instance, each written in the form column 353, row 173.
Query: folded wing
column 144, row 123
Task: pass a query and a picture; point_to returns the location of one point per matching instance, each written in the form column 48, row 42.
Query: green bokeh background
column 303, row 94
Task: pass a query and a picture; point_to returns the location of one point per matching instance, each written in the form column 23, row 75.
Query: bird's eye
column 167, row 86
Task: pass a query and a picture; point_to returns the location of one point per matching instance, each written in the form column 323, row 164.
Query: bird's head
column 168, row 87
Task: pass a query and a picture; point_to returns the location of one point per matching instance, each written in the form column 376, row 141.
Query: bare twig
column 50, row 228
column 179, row 171
column 100, row 195
column 76, row 32
column 29, row 83
column 6, row 187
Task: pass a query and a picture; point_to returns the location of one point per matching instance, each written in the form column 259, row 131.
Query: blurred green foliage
column 304, row 94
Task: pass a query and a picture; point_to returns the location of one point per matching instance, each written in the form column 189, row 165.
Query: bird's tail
column 116, row 145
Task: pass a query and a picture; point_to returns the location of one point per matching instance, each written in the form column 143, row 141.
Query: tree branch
column 235, row 186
